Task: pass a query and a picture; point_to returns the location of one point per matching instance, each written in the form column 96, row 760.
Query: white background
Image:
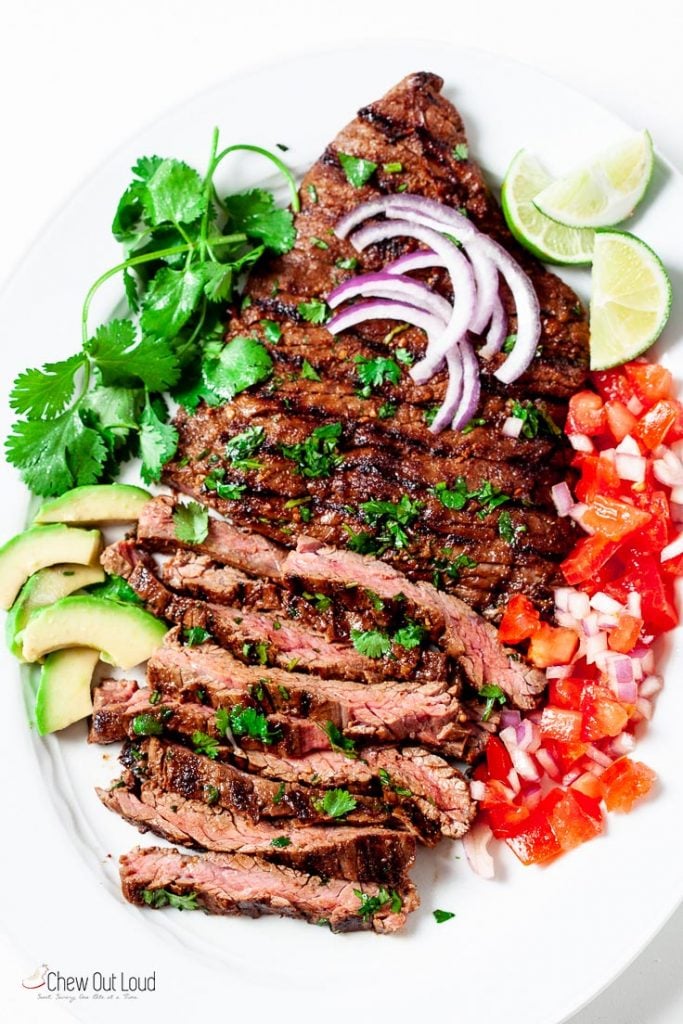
column 79, row 76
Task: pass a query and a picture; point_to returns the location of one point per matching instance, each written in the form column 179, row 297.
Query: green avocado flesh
column 63, row 695
column 96, row 503
column 44, row 588
column 38, row 547
column 125, row 635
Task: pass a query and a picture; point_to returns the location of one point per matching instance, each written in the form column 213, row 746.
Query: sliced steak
column 366, row 853
column 386, row 446
column 249, row 885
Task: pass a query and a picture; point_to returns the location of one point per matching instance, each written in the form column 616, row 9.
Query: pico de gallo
column 547, row 774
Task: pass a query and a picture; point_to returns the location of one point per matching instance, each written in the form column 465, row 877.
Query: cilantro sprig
column 185, row 248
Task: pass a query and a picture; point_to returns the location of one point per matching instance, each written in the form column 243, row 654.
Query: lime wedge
column 603, row 192
column 544, row 237
column 631, row 299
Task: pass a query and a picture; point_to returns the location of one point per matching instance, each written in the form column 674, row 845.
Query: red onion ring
column 391, row 286
column 384, row 309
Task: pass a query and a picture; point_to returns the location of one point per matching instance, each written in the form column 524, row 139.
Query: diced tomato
column 654, row 426
column 598, row 476
column 676, row 431
column 655, row 534
column 566, row 693
column 673, row 566
column 561, row 724
column 614, row 519
column 586, row 414
column 643, row 575
column 625, row 782
column 624, row 636
column 536, row 842
column 552, row 645
column 574, row 819
column 602, row 716
column 613, row 384
column 589, row 785
column 650, row 381
column 498, row 759
column 520, row 620
column 507, row 820
column 619, row 420
column 565, row 754
column 589, row 555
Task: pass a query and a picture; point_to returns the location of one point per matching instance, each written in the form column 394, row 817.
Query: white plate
column 531, row 947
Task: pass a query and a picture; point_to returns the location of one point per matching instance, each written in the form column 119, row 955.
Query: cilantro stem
column 135, row 261
column 282, row 167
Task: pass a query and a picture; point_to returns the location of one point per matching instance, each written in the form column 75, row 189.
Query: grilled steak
column 387, row 449
column 248, row 885
column 366, row 853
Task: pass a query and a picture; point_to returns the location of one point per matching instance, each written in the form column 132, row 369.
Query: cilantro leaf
column 242, row 363
column 314, row 312
column 388, row 783
column 115, row 588
column 214, row 481
column 391, row 520
column 455, row 497
column 453, row 569
column 309, row 372
column 191, row 523
column 147, row 725
column 57, row 454
column 410, row 636
column 130, row 287
column 370, row 642
column 493, row 695
column 509, row 343
column 123, row 361
column 205, row 744
column 336, row 803
column 321, row 602
column 340, row 742
column 46, row 392
column 218, row 278
column 165, row 898
column 357, row 170
column 195, row 635
column 372, row 373
column 158, row 443
column 281, row 842
column 317, row 456
column 535, row 419
column 442, row 915
column 272, row 331
column 170, row 300
column 115, row 411
column 173, row 192
column 246, row 722
column 370, row 905
column 254, row 212
column 243, row 446
column 461, row 151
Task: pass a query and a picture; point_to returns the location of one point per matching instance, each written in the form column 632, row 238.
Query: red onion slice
column 476, row 843
column 471, row 387
column 391, row 286
column 410, row 205
column 384, row 309
column 421, row 259
column 461, row 275
column 497, row 332
column 453, row 392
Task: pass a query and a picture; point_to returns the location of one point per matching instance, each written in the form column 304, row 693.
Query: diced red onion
column 590, row 624
column 622, row 744
column 561, row 596
column 391, row 286
column 528, row 736
column 571, row 776
column 620, row 671
column 548, row 763
column 602, row 602
column 672, row 550
column 509, row 718
column 634, row 604
column 630, row 467
column 475, row 843
column 609, row 455
column 581, row 442
column 532, row 796
column 604, row 760
column 524, row 764
column 650, row 686
column 646, row 657
column 634, row 405
column 560, row 493
column 666, row 474
column 508, row 735
column 577, row 512
column 627, row 693
column 558, row 671
column 478, row 789
column 512, row 427
column 594, row 646
column 579, row 605
column 628, row 446
column 644, row 708
column 513, row 779
column 567, row 620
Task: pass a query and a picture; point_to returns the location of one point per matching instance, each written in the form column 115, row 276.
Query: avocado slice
column 95, row 503
column 39, row 547
column 124, row 634
column 63, row 693
column 45, row 587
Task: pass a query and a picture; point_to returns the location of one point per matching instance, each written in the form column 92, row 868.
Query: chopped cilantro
column 280, row 842
column 404, row 356
column 246, row 722
column 456, row 497
column 312, row 192
column 309, row 372
column 317, row 456
column 357, row 170
column 348, row 263
column 191, row 523
column 243, row 446
column 318, row 243
column 155, row 697
column 372, row 373
column 321, row 602
column 205, row 744
column 115, row 588
column 255, row 214
column 195, row 635
column 453, row 569
column 272, row 331
column 370, row 642
column 443, row 915
column 493, row 695
column 387, row 410
column 314, row 312
column 507, row 529
column 429, row 415
column 147, row 725
column 338, row 741
column 395, row 167
column 375, row 600
column 370, row 905
column 211, row 794
column 535, row 419
column 164, row 898
column 391, row 521
column 215, row 481
column 476, row 422
column 403, row 187
column 242, row 363
column 277, row 799
column 336, row 803
column 461, row 151
column 388, row 783
column 509, row 343
column 410, row 636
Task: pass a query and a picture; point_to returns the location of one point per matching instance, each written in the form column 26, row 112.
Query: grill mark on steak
column 248, row 885
column 366, row 853
column 417, row 127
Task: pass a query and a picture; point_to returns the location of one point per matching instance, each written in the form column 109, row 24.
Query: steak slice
column 387, row 449
column 364, row 853
column 249, row 885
